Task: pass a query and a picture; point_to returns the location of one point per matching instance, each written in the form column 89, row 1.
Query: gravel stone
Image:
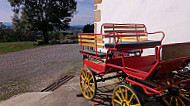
column 41, row 66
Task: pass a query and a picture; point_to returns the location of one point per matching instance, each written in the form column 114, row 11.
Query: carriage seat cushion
column 99, row 54
column 121, row 45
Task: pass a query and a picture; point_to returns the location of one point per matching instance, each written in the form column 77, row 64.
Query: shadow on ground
column 104, row 96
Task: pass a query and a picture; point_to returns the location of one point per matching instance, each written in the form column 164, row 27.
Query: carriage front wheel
column 124, row 95
column 88, row 83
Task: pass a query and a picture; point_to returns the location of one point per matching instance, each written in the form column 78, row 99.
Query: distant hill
column 74, row 27
column 7, row 24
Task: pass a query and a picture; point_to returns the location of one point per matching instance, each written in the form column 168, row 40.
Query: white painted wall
column 170, row 16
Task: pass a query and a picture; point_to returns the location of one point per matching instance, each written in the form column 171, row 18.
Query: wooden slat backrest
column 122, row 28
column 127, row 32
column 91, row 40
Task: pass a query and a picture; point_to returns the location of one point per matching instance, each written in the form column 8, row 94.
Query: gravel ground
column 39, row 67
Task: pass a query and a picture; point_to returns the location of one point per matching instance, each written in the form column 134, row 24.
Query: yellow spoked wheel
column 87, row 83
column 124, row 95
column 122, row 78
column 179, row 95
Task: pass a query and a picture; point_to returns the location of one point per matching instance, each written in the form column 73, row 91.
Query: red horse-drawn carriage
column 119, row 49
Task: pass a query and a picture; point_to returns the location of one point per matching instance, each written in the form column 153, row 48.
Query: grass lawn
column 6, row 47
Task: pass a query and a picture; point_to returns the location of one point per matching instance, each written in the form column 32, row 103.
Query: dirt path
column 37, row 68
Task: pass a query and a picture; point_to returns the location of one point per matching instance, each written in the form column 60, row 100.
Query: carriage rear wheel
column 179, row 95
column 124, row 95
column 88, row 83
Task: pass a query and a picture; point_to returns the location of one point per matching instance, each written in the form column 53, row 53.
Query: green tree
column 89, row 28
column 45, row 15
column 16, row 23
column 21, row 24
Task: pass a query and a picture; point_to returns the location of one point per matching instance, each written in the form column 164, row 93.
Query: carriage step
column 58, row 83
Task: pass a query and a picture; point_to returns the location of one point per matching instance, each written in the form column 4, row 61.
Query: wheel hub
column 86, row 84
column 174, row 91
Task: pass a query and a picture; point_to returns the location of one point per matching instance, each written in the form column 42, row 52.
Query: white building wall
column 170, row 16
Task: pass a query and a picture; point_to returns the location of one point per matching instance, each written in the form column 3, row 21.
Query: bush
column 9, row 35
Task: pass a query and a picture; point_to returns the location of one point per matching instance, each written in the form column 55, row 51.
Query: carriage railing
column 91, row 42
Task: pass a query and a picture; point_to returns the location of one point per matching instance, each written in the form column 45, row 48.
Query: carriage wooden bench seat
column 115, row 36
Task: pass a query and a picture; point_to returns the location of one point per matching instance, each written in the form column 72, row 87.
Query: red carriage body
column 124, row 45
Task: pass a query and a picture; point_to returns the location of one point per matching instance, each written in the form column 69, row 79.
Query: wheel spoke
column 126, row 93
column 90, row 78
column 183, row 85
column 82, row 82
column 168, row 82
column 184, row 97
column 91, row 83
column 176, row 101
column 171, row 100
column 121, row 93
column 118, row 96
column 87, row 92
column 117, row 101
column 172, row 81
column 90, row 92
column 164, row 99
column 124, row 104
column 91, row 89
column 130, row 100
column 186, row 92
column 181, row 101
column 82, row 77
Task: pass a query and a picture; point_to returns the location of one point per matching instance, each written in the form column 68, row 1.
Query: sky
column 85, row 12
